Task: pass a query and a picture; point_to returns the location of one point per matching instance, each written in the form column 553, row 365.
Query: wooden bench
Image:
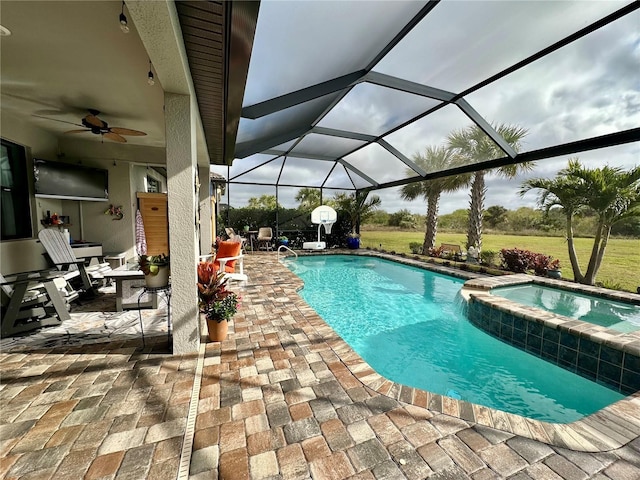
column 452, row 249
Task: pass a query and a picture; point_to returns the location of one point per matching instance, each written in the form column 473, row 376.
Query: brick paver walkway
column 278, row 400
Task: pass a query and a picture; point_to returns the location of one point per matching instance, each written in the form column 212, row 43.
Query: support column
column 180, row 124
column 205, row 210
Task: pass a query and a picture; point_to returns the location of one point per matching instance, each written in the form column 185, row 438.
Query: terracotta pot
column 217, row 330
column 161, row 279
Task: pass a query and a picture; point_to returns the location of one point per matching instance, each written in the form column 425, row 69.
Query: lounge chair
column 62, row 256
column 33, row 300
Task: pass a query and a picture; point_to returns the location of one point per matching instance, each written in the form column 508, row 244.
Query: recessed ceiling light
column 4, row 31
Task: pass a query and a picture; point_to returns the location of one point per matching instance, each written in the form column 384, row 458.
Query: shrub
column 543, row 263
column 488, row 257
column 435, row 252
column 415, row 247
column 516, row 260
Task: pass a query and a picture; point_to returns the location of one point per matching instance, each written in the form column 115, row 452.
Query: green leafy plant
column 415, row 247
column 215, row 301
column 488, row 257
column 150, row 264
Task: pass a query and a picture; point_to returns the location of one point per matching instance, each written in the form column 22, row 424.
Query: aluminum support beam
column 409, row 163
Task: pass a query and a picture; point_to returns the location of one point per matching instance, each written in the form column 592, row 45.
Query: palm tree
column 434, row 158
column 356, row 206
column 613, row 194
column 564, row 192
column 472, row 145
column 308, row 198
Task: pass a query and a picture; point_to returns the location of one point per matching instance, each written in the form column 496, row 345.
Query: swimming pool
column 408, row 324
column 619, row 316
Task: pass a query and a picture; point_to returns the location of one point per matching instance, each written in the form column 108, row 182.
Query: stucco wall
column 87, row 218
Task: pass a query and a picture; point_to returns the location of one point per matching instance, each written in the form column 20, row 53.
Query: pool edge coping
column 607, row 429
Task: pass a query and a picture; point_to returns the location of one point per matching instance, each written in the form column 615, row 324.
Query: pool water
column 619, row 316
column 409, row 325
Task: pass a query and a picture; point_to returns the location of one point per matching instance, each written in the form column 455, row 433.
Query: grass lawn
column 620, row 267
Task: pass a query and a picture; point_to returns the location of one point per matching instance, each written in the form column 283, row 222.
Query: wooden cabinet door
column 153, row 207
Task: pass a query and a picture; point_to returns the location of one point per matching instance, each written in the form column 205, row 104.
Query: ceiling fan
column 95, row 125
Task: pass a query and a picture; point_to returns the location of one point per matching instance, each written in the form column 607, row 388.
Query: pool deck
column 282, row 398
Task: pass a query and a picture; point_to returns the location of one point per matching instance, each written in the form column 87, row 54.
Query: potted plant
column 216, row 303
column 358, row 208
column 554, row 269
column 156, row 269
column 282, row 240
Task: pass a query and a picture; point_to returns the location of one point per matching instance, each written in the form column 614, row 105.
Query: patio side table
column 156, row 291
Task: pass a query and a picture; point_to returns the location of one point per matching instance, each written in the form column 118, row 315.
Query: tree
column 495, row 215
column 264, row 202
column 308, row 198
column 613, row 194
column 356, row 206
column 472, row 145
column 434, row 158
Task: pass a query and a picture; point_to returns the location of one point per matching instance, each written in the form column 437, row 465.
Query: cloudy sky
column 588, row 88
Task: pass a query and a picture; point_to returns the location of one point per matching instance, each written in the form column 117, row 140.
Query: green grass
column 620, row 267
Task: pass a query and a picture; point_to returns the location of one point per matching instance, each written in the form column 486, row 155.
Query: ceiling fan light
column 123, row 20
column 123, row 23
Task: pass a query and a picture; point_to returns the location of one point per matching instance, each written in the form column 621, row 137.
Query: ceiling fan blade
column 78, row 131
column 56, row 120
column 95, row 121
column 115, row 137
column 127, row 131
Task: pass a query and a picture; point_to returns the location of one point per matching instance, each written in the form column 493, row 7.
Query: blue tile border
column 597, row 358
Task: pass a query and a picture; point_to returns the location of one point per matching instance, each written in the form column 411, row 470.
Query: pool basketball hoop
column 322, row 216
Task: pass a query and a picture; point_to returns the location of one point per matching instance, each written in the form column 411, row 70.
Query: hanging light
column 123, row 20
column 150, row 79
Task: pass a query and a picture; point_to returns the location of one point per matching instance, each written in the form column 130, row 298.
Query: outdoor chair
column 234, row 237
column 32, row 300
column 228, row 256
column 61, row 255
column 265, row 236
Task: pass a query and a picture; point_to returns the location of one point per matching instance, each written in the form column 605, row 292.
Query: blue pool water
column 618, row 316
column 408, row 324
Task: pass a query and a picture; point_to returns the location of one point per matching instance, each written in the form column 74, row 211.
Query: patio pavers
column 281, row 398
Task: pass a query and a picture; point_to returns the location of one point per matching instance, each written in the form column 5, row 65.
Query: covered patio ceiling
column 341, row 95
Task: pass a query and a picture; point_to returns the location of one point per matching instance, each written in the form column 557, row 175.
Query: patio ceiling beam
column 627, row 9
column 246, row 149
column 310, row 156
column 486, row 127
column 348, row 166
column 291, row 185
column 594, row 143
column 424, row 11
column 303, row 95
column 409, row 163
column 407, row 86
column 343, row 134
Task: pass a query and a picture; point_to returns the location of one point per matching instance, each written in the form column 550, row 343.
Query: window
column 153, row 185
column 14, row 192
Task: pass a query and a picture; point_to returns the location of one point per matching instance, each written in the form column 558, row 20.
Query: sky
column 588, row 88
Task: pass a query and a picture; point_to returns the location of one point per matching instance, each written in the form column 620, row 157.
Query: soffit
column 218, row 37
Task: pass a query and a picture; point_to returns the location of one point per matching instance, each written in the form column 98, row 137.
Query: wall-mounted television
column 68, row 181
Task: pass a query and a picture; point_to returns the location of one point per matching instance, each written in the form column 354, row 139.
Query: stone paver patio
column 281, row 398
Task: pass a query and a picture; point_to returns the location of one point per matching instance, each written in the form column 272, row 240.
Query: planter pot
column 161, row 279
column 554, row 273
column 217, row 330
column 283, row 242
column 353, row 242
